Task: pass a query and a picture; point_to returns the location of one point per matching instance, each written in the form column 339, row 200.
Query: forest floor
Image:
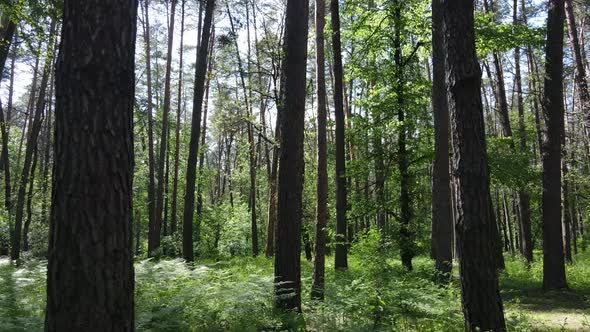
column 236, row 295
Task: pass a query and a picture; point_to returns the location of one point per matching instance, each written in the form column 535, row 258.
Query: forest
column 294, row 165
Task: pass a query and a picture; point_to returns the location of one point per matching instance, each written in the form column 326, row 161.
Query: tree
column 340, row 257
column 156, row 228
column 90, row 271
column 291, row 166
column 317, row 288
column 442, row 222
column 553, row 112
column 475, row 227
column 191, row 167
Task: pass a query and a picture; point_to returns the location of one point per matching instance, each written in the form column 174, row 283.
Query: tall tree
column 317, row 288
column 340, row 257
column 155, row 229
column 31, row 147
column 291, row 164
column 442, row 222
column 580, row 73
column 475, row 227
column 553, row 111
column 191, row 167
column 174, row 217
column 525, row 234
column 151, row 199
column 90, row 270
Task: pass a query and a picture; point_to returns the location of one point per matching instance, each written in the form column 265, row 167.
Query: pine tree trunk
column 191, row 168
column 442, row 223
column 291, row 166
column 553, row 111
column 317, row 287
column 478, row 265
column 90, row 282
column 156, row 229
column 340, row 257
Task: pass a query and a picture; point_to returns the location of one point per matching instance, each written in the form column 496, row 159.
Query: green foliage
column 501, row 37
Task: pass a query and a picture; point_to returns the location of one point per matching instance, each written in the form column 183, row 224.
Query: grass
column 374, row 294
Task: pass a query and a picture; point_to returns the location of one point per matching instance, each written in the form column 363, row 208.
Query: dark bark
column 340, row 257
column 7, row 33
column 27, row 225
column 442, row 223
column 553, row 111
column 406, row 232
column 319, row 263
column 90, row 280
column 291, row 165
column 191, row 170
column 478, row 265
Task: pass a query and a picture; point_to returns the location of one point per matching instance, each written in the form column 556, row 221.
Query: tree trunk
column 341, row 261
column 553, row 111
column 90, row 270
column 442, row 226
column 31, row 146
column 151, row 202
column 156, row 228
column 27, row 225
column 406, row 233
column 174, row 217
column 317, row 287
column 291, row 165
column 191, row 168
column 478, row 265
column 580, row 76
column 524, row 201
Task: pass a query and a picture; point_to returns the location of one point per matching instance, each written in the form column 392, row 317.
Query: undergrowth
column 375, row 294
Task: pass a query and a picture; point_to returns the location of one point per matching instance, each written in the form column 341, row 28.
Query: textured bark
column 151, row 201
column 319, row 263
column 553, row 111
column 272, row 192
column 191, row 168
column 442, row 223
column 155, row 230
column 340, row 257
column 478, row 266
column 173, row 215
column 291, row 165
column 90, row 270
column 27, row 225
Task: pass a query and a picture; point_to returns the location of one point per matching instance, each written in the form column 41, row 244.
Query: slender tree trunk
column 580, row 72
column 191, row 168
column 32, row 141
column 174, row 217
column 90, row 282
column 406, row 233
column 291, row 165
column 553, row 111
column 341, row 260
column 151, row 203
column 317, row 287
column 156, row 229
column 478, row 265
column 442, row 223
column 27, row 225
column 204, row 135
